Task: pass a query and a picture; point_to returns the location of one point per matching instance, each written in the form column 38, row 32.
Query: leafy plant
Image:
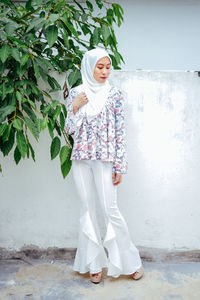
column 41, row 37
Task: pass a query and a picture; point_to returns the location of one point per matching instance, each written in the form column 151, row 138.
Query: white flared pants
column 123, row 257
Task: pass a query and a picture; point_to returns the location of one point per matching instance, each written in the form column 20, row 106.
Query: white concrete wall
column 160, row 34
column 159, row 197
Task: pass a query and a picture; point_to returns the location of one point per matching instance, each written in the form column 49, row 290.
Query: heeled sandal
column 96, row 277
column 138, row 274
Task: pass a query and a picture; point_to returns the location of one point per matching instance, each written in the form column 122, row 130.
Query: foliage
column 41, row 37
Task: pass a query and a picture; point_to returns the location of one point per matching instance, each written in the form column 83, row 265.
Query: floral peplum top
column 103, row 138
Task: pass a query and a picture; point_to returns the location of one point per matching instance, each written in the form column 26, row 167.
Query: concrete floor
column 55, row 280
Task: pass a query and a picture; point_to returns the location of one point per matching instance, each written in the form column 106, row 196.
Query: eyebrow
column 103, row 64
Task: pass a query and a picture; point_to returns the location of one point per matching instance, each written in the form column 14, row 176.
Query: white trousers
column 123, row 257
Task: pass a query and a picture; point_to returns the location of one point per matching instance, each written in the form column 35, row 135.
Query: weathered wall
column 159, row 197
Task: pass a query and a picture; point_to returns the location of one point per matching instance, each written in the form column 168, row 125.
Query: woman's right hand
column 80, row 100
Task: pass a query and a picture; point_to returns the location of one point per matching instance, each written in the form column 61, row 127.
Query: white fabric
column 97, row 93
column 123, row 257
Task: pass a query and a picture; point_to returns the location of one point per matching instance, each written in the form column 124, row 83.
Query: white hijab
column 97, row 93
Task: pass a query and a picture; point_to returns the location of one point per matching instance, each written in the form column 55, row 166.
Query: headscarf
column 97, row 93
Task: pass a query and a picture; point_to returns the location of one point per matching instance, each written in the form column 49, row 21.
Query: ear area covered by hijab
column 97, row 93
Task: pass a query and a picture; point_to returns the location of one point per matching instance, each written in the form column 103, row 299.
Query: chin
column 102, row 80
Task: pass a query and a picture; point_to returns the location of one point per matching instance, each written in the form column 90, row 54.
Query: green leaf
column 99, row 3
column 21, row 143
column 3, row 90
column 42, row 74
column 71, row 140
column 73, row 77
column 36, row 69
column 24, row 59
column 16, row 40
column 65, row 35
column 51, row 34
column 105, row 32
column 58, row 129
column 36, row 22
column 32, row 104
column 114, row 40
column 64, row 110
column 110, row 13
column 10, row 27
column 57, row 112
column 118, row 11
column 6, row 134
column 19, row 96
column 47, row 62
column 29, row 5
column 2, row 66
column 79, row 5
column 117, row 56
column 7, row 146
column 71, row 28
column 21, row 70
column 65, row 167
column 32, row 127
column 53, row 17
column 3, row 128
column 17, row 124
column 46, row 109
column 114, row 62
column 3, row 36
column 52, row 82
column 55, row 147
column 50, row 128
column 5, row 111
column 4, row 52
column 42, row 63
column 35, row 89
column 89, row 5
column 17, row 155
column 9, row 89
column 62, row 121
column 43, row 123
column 29, row 112
column 15, row 53
column 12, row 100
column 84, row 18
column 39, row 2
column 32, row 151
column 96, row 36
column 65, row 153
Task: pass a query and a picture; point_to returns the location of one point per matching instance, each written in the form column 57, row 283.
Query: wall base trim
column 147, row 254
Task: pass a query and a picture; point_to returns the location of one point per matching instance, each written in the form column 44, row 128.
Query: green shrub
column 41, row 37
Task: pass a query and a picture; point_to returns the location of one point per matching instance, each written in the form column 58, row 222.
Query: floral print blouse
column 103, row 138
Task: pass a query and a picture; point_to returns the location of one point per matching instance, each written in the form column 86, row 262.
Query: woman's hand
column 116, row 178
column 80, row 100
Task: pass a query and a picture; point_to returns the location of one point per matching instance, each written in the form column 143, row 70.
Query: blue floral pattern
column 103, row 138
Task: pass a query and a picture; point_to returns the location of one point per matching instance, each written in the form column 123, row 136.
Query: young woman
column 96, row 122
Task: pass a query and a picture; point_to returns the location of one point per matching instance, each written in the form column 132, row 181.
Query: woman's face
column 102, row 69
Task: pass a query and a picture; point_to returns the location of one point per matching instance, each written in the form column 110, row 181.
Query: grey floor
column 55, row 280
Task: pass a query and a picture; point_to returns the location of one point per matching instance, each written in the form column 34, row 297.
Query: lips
column 103, row 77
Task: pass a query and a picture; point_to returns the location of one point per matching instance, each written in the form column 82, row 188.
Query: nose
column 104, row 70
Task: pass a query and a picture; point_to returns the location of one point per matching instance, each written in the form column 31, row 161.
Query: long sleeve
column 73, row 122
column 120, row 161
